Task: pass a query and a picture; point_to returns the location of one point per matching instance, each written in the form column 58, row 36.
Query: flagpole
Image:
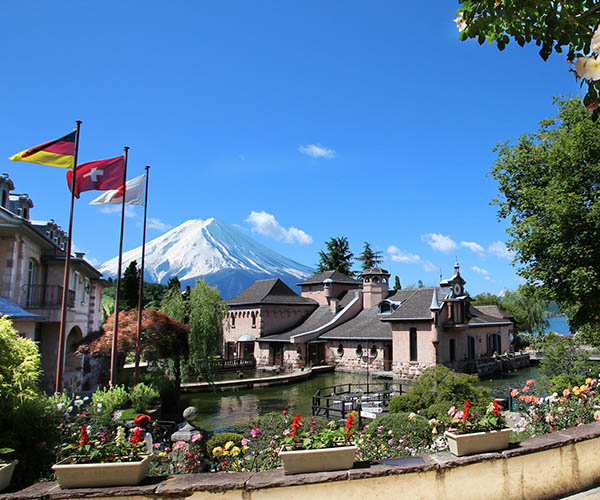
column 141, row 291
column 113, row 350
column 60, row 359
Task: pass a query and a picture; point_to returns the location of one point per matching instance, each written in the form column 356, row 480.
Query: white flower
column 86, row 398
column 412, row 416
column 59, row 406
column 78, row 402
column 99, row 406
column 460, row 22
column 69, row 409
column 595, row 45
column 594, row 68
column 582, row 67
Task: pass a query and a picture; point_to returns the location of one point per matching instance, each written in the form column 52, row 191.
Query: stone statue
column 186, row 429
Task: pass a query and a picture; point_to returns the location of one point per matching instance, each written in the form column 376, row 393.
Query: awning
column 246, row 338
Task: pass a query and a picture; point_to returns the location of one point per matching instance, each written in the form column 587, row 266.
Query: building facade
column 32, row 254
column 362, row 324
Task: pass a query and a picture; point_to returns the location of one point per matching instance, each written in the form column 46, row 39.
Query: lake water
column 558, row 325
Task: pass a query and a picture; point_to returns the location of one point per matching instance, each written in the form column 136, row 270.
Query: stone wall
column 541, row 468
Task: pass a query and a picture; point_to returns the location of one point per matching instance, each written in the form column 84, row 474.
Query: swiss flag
column 98, row 175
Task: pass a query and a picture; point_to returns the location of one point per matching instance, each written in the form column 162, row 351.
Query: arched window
column 253, row 317
column 232, row 317
column 373, row 352
column 340, row 350
column 359, row 351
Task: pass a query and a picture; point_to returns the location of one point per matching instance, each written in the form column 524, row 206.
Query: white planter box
column 477, row 442
column 6, row 472
column 96, row 475
column 323, row 459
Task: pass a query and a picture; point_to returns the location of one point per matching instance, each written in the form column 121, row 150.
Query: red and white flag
column 134, row 189
column 98, row 175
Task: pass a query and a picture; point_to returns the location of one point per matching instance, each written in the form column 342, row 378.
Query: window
column 470, row 347
column 413, row 344
column 253, row 317
column 494, row 344
column 452, row 347
column 85, row 290
column 232, row 320
column 30, row 282
column 385, row 307
column 340, row 350
column 359, row 351
column 373, row 352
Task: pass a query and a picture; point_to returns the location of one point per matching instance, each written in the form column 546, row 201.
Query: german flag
column 57, row 153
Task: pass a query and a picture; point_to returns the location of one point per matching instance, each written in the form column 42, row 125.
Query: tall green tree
column 337, row 257
column 554, row 26
column 397, row 285
column 549, row 190
column 130, row 287
column 207, row 311
column 175, row 305
column 369, row 258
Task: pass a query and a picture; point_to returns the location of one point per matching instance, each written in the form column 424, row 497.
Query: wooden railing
column 338, row 400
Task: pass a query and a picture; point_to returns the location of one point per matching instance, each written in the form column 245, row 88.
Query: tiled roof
column 335, row 276
column 365, row 325
column 494, row 311
column 319, row 317
column 414, row 303
column 271, row 291
column 479, row 318
column 12, row 310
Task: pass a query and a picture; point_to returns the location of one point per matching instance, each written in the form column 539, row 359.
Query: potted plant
column 473, row 433
column 308, row 451
column 6, row 468
column 104, row 460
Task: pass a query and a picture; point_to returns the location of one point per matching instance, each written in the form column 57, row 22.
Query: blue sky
column 369, row 120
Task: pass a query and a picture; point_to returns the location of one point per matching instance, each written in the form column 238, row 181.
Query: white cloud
column 429, row 266
column 440, row 242
column 398, row 255
column 317, row 151
column 490, row 279
column 266, row 224
column 498, row 248
column 474, row 247
column 154, row 223
column 116, row 209
column 479, row 270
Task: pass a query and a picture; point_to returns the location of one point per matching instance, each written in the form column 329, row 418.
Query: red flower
column 141, row 420
column 497, row 411
column 189, row 455
column 137, row 436
column 296, row 424
column 84, row 438
column 466, row 411
column 349, row 424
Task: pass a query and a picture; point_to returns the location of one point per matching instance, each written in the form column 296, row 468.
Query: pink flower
column 284, row 412
column 245, row 441
column 179, row 445
column 452, row 411
column 196, row 437
column 255, row 432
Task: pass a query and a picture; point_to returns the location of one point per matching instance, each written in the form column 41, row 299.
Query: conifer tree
column 369, row 258
column 338, row 256
column 397, row 285
column 130, row 287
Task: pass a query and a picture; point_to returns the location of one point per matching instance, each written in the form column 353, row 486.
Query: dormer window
column 385, row 307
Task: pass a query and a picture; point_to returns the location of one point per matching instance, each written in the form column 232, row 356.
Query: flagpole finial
column 126, row 148
column 78, row 122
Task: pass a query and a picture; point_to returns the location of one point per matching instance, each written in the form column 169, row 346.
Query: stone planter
column 96, row 475
column 323, row 459
column 477, row 442
column 6, row 472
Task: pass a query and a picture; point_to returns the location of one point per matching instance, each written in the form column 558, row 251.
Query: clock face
column 457, row 289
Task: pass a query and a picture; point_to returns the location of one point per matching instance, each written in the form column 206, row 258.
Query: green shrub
column 219, row 440
column 561, row 382
column 142, row 397
column 439, row 386
column 106, row 401
column 168, row 390
column 439, row 409
column 416, row 428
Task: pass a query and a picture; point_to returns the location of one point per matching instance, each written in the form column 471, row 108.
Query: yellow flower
column 588, row 381
column 217, row 452
column 433, row 422
column 235, row 451
column 225, row 452
column 229, row 444
column 244, row 448
column 162, row 454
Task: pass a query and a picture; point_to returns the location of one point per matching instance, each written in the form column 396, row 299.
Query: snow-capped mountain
column 210, row 249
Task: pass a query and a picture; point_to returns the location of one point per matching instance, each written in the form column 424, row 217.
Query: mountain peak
column 211, row 249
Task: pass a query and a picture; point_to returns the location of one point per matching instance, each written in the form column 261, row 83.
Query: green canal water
column 226, row 410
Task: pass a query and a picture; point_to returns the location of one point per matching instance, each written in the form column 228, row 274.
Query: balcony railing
column 47, row 297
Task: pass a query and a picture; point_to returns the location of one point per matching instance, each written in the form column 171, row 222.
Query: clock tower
column 456, row 283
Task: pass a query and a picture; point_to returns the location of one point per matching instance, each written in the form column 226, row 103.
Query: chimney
column 79, row 255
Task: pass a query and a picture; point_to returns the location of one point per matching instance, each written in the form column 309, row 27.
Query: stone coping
column 182, row 485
